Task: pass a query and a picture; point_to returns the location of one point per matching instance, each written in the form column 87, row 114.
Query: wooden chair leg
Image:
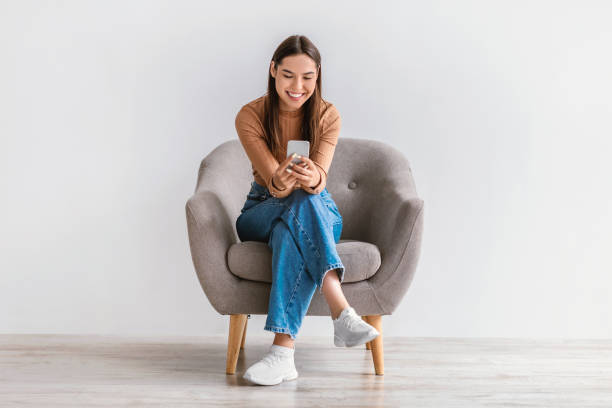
column 377, row 344
column 236, row 330
column 244, row 333
column 367, row 345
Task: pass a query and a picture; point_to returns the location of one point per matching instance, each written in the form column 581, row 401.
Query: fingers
column 299, row 167
column 285, row 178
column 300, row 173
column 288, row 161
column 308, row 162
column 304, row 172
column 297, row 174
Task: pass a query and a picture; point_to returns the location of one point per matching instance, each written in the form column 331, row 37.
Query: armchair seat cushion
column 252, row 260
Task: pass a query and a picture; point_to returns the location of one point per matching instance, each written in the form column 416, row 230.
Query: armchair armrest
column 396, row 228
column 211, row 233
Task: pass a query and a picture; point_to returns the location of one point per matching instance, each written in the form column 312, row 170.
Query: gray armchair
column 372, row 185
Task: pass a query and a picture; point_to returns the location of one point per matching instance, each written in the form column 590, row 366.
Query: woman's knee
column 301, row 197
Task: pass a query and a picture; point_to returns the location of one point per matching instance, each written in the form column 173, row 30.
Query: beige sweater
column 249, row 126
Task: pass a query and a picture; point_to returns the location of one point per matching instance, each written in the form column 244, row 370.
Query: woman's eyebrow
column 305, row 73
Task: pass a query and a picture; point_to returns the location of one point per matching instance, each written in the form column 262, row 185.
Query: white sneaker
column 351, row 330
column 275, row 367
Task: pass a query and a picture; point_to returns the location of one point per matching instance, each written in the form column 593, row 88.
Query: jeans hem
column 275, row 329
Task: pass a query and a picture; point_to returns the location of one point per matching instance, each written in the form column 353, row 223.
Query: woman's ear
column 272, row 69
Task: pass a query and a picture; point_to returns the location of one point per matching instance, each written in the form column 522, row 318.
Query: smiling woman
column 289, row 208
column 294, row 88
column 292, row 109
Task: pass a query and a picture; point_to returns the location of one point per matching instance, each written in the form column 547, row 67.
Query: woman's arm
column 324, row 154
column 250, row 132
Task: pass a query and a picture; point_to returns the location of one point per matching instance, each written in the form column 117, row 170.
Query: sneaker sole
column 338, row 342
column 289, row 377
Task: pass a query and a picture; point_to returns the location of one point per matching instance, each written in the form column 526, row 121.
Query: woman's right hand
column 282, row 178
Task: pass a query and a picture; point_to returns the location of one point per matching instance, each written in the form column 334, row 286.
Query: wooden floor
column 94, row 371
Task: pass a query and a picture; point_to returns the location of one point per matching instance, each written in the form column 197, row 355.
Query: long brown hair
column 295, row 44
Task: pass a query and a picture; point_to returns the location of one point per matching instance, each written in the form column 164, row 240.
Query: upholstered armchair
column 373, row 187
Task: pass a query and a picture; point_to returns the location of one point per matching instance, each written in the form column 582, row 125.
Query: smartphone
column 301, row 147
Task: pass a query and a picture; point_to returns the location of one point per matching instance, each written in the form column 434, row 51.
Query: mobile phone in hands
column 301, row 147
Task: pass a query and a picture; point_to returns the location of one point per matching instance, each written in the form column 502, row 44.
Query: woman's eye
column 292, row 77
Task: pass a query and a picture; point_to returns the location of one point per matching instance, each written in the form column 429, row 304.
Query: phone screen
column 301, row 147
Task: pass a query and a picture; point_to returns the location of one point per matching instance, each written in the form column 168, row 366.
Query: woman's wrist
column 318, row 180
column 275, row 185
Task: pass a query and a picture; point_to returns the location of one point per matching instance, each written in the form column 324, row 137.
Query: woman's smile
column 295, row 96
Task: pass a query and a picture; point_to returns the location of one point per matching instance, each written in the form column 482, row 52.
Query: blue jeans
column 302, row 231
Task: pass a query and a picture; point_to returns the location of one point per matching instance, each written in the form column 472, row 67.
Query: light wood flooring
column 102, row 371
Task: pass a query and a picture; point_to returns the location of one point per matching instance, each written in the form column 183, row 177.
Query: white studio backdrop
column 502, row 107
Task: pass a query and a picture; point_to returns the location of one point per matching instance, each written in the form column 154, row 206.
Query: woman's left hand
column 306, row 173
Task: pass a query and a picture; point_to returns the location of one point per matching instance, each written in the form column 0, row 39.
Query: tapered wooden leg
column 244, row 333
column 377, row 344
column 236, row 330
column 368, row 345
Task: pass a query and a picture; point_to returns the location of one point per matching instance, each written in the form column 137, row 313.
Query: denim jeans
column 302, row 231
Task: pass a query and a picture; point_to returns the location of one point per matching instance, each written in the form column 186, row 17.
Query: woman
column 290, row 208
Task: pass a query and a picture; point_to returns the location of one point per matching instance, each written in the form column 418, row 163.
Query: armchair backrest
column 362, row 174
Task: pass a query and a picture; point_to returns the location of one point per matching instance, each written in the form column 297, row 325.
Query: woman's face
column 296, row 74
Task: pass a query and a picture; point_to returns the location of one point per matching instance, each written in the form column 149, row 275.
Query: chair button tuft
column 352, row 185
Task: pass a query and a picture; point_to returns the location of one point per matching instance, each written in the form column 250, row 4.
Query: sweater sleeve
column 324, row 154
column 251, row 134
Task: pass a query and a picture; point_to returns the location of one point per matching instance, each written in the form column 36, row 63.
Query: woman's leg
column 334, row 295
column 263, row 222
column 302, row 232
column 303, row 242
column 291, row 288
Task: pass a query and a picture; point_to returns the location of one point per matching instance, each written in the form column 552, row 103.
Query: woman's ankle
column 282, row 339
column 335, row 314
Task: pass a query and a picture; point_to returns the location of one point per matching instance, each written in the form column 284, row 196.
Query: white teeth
column 294, row 95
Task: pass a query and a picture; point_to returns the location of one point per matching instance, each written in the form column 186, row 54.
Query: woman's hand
column 282, row 178
column 305, row 172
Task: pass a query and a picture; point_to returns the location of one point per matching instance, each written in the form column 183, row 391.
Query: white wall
column 502, row 108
